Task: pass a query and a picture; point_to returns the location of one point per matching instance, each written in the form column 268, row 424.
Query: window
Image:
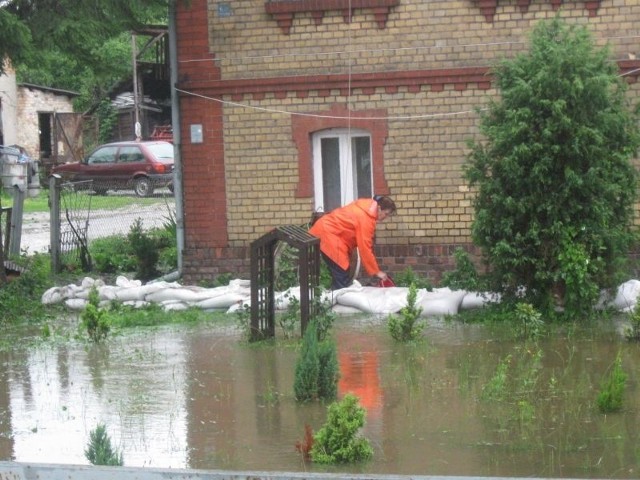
column 342, row 167
column 102, row 156
column 131, row 155
column 367, row 123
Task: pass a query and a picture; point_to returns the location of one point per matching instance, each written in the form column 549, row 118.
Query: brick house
column 272, row 93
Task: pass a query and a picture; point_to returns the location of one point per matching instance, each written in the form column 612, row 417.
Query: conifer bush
column 338, row 441
column 99, row 450
column 553, row 174
column 317, row 370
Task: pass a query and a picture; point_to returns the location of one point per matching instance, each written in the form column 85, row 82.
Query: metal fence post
column 15, row 237
column 54, row 221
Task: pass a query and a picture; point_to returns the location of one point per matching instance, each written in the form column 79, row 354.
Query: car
column 140, row 166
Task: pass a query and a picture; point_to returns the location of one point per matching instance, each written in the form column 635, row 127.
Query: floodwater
column 467, row 401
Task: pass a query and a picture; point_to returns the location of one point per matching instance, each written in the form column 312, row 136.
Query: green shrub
column 21, row 297
column 613, row 387
column 529, row 321
column 290, row 318
column 328, row 370
column 409, row 277
column 99, row 450
column 561, row 130
column 316, row 370
column 464, row 276
column 145, row 247
column 632, row 332
column 338, row 440
column 112, row 254
column 407, row 326
column 323, row 315
column 94, row 319
column 305, row 384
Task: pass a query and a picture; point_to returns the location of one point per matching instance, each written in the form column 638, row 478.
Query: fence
column 79, row 216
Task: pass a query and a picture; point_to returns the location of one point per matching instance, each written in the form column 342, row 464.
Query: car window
column 130, row 155
column 163, row 152
column 102, row 156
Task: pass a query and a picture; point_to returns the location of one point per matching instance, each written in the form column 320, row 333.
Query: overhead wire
column 349, row 54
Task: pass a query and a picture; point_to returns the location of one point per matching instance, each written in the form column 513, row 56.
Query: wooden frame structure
column 263, row 277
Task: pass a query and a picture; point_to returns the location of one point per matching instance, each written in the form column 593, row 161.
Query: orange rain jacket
column 348, row 227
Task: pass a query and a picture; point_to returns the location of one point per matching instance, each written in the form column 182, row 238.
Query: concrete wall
column 411, row 72
column 9, row 100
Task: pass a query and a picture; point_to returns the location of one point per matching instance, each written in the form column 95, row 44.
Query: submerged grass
column 122, row 316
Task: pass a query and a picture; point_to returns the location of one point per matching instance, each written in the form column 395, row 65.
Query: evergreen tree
column 555, row 186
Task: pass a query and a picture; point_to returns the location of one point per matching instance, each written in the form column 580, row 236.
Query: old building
column 273, row 93
column 46, row 121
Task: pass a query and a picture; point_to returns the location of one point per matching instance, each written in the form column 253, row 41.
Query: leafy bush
column 323, row 315
column 338, row 440
column 147, row 253
column 21, row 297
column 112, row 254
column 529, row 321
column 632, row 332
column 409, row 277
column 406, row 326
column 94, row 319
column 465, row 276
column 291, row 316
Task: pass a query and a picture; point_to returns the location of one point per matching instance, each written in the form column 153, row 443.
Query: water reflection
column 466, row 402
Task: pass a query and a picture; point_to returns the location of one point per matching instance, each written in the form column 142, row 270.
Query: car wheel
column 143, row 187
column 170, row 187
column 100, row 190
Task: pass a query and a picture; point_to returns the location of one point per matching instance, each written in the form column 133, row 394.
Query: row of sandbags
column 237, row 295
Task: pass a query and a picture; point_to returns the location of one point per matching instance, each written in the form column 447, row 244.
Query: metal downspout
column 177, row 137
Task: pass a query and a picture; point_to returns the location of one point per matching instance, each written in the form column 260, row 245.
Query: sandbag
column 174, row 306
column 478, row 300
column 440, row 302
column 627, row 296
column 124, row 282
column 76, row 303
column 373, row 299
column 55, row 295
column 221, row 301
column 88, row 282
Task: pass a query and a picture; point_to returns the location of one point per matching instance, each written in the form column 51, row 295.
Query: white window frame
column 348, row 189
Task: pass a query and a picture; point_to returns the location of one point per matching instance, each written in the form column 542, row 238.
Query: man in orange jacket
column 349, row 227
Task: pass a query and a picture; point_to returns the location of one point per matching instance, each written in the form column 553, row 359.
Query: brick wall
column 424, row 70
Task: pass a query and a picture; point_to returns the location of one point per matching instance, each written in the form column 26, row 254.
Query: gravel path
column 36, row 226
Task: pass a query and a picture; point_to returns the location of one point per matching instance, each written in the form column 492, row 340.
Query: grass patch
column 40, row 203
column 123, row 316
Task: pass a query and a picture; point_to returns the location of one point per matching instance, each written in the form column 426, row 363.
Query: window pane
column 131, row 155
column 331, row 173
column 361, row 148
column 104, row 155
